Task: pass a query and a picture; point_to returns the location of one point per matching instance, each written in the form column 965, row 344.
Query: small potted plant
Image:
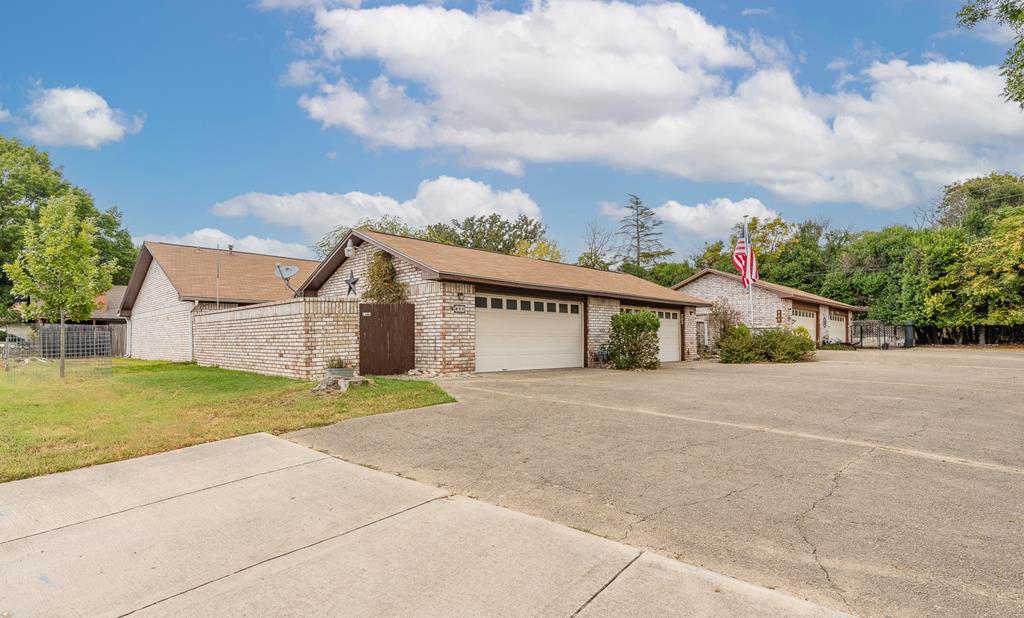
column 340, row 368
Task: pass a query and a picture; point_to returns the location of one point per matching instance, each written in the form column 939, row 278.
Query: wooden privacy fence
column 386, row 338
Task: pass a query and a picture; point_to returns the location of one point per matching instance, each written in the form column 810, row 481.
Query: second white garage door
column 527, row 333
column 807, row 319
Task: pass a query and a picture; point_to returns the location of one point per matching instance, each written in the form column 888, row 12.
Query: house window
column 574, row 309
column 511, row 304
column 481, row 301
column 538, row 306
column 525, row 305
column 551, row 307
column 675, row 316
column 563, row 308
column 495, row 303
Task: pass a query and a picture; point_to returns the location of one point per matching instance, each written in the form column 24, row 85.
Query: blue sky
column 271, row 121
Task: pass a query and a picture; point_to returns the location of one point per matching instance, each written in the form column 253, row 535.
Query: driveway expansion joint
column 286, row 553
column 165, row 499
column 606, row 584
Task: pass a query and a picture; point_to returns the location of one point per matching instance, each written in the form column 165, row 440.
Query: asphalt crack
column 798, row 521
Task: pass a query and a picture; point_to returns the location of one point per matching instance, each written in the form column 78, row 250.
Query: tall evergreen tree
column 640, row 234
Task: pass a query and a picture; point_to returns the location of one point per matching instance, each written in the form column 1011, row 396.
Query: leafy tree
column 59, row 268
column 490, row 232
column 1009, row 13
column 28, row 180
column 641, row 238
column 970, row 202
column 598, row 248
column 670, row 273
column 542, row 249
column 993, row 271
column 386, row 224
column 713, row 255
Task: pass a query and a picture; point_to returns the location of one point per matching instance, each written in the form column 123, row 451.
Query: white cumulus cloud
column 213, row 237
column 5, row 115
column 76, row 117
column 436, row 200
column 558, row 82
column 713, row 219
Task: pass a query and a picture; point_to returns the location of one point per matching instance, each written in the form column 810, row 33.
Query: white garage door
column 668, row 333
column 807, row 319
column 527, row 333
column 837, row 328
column 668, row 336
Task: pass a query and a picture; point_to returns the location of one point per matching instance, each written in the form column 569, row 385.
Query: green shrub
column 803, row 332
column 634, row 341
column 837, row 346
column 770, row 346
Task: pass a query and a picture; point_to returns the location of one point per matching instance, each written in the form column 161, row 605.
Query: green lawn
column 147, row 407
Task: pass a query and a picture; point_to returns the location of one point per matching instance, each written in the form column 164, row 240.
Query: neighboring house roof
column 784, row 291
column 244, row 277
column 108, row 304
column 453, row 263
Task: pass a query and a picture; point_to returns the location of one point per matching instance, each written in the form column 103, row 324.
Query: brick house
column 171, row 284
column 774, row 305
column 483, row 311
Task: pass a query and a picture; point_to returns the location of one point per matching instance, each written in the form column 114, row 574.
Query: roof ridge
column 273, row 255
column 493, row 252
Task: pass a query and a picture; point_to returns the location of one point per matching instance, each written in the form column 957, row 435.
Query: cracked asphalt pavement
column 879, row 483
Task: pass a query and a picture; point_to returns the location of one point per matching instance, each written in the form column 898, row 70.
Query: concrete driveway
column 259, row 526
column 880, row 483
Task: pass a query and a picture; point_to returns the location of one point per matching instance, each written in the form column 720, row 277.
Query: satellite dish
column 286, row 272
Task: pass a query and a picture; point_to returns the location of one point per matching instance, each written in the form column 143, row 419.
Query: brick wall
column 599, row 325
column 445, row 339
column 767, row 304
column 292, row 338
column 159, row 325
column 689, row 317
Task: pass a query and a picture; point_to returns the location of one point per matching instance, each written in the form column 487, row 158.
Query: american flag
column 744, row 260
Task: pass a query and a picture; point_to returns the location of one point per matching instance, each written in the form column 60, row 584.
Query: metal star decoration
column 351, row 281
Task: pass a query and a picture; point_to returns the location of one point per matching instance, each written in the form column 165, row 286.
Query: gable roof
column 108, row 304
column 452, row 263
column 244, row 277
column 784, row 291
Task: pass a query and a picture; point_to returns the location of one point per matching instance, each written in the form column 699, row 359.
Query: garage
column 837, row 327
column 519, row 332
column 669, row 335
column 807, row 319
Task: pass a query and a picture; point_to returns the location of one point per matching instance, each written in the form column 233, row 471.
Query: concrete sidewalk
column 260, row 526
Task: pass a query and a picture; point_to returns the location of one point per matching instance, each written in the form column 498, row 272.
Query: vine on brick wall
column 382, row 280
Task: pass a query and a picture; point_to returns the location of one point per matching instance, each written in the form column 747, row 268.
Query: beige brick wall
column 767, row 304
column 689, row 317
column 159, row 325
column 292, row 338
column 599, row 325
column 445, row 336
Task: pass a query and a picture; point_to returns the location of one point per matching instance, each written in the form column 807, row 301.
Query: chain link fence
column 34, row 352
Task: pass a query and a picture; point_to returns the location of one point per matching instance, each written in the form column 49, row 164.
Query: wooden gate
column 386, row 338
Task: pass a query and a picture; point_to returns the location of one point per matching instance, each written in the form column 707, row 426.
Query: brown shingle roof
column 109, row 303
column 452, row 263
column 783, row 290
column 244, row 277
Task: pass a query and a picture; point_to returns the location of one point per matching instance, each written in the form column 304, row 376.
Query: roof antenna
column 286, row 272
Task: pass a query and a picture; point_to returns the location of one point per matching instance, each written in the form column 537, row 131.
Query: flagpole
column 750, row 287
